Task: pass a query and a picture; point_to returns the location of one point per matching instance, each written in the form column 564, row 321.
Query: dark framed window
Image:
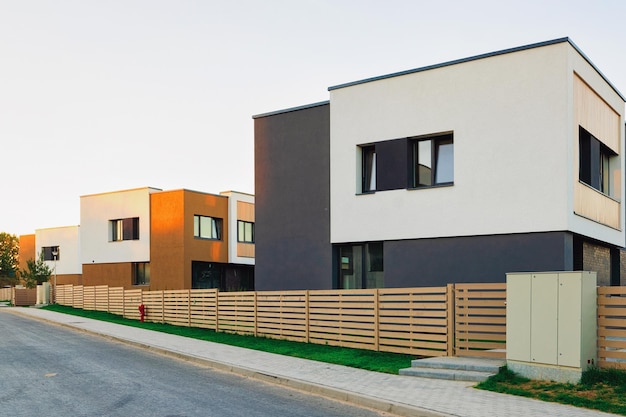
column 141, row 273
column 245, row 231
column 205, row 227
column 51, row 253
column 595, row 162
column 124, row 229
column 360, row 266
column 432, row 161
column 368, row 169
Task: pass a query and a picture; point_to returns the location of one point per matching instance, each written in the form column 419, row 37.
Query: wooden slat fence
column 116, row 300
column 89, row 298
column 283, row 315
column 480, row 320
column 237, row 312
column 203, row 309
column 612, row 327
column 78, row 297
column 175, row 307
column 24, row 297
column 6, row 294
column 417, row 321
column 343, row 318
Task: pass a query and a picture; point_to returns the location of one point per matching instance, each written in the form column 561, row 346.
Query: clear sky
column 100, row 96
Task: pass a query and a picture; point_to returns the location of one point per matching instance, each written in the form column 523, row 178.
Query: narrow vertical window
column 424, row 167
column 433, row 161
column 368, row 169
column 444, row 172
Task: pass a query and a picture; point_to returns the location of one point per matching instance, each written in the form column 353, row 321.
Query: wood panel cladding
column 595, row 115
column 245, row 211
column 596, row 206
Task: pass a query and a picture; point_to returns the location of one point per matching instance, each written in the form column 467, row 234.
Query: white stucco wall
column 233, row 198
column 511, row 117
column 68, row 240
column 97, row 210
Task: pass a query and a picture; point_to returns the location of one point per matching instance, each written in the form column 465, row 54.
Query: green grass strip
column 599, row 389
column 357, row 358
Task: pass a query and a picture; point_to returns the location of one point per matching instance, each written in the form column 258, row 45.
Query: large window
column 368, row 169
column 124, row 229
column 141, row 273
column 51, row 253
column 360, row 266
column 596, row 162
column 245, row 231
column 205, row 227
column 433, row 161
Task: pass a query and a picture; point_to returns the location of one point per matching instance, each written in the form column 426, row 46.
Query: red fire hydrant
column 142, row 311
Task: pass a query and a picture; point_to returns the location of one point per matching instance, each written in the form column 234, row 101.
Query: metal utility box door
column 551, row 318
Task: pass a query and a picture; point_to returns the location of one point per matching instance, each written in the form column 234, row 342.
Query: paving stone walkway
column 396, row 394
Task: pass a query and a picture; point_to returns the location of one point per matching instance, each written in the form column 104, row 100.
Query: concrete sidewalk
column 402, row 395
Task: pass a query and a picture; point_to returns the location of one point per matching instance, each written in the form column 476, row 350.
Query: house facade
column 153, row 239
column 458, row 172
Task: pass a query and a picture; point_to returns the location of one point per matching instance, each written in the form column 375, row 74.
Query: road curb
column 337, row 394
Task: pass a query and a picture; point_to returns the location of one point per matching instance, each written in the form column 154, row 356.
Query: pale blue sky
column 99, row 96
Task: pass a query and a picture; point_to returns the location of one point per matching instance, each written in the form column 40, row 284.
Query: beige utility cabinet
column 551, row 324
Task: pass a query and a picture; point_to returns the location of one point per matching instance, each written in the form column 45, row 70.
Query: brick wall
column 598, row 258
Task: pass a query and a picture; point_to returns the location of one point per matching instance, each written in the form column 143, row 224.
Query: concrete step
column 455, row 368
column 449, row 374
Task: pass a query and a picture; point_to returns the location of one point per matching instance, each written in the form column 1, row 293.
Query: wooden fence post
column 255, row 315
column 217, row 310
column 376, row 319
column 188, row 308
column 307, row 315
column 451, row 315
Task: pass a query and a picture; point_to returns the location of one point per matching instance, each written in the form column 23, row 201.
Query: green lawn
column 599, row 389
column 356, row 358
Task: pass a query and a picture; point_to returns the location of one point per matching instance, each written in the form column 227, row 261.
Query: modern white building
column 457, row 172
column 61, row 251
column 154, row 239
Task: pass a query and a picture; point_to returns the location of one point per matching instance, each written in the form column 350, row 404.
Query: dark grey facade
column 292, row 199
column 433, row 262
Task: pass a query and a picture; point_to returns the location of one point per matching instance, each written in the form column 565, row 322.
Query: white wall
column 95, row 213
column 509, row 115
column 68, row 241
column 233, row 198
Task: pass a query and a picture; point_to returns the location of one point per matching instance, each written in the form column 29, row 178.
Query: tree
column 9, row 262
column 36, row 272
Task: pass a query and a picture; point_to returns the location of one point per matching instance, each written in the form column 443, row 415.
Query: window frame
column 245, row 239
column 368, row 169
column 435, row 156
column 216, row 225
column 144, row 273
column 595, row 161
column 124, row 229
column 48, row 254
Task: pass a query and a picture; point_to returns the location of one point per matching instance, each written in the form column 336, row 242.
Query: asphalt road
column 48, row 370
